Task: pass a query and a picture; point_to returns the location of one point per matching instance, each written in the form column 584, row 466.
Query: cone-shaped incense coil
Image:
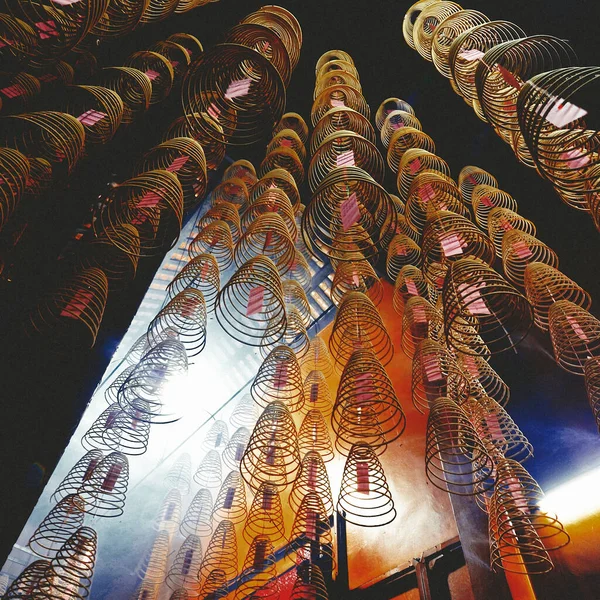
column 265, row 516
column 312, row 478
column 198, row 517
column 230, row 503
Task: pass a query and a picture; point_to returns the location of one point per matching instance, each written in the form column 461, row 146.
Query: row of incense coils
column 529, row 88
column 457, row 312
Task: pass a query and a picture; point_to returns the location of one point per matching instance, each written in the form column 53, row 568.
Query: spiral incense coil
column 404, row 139
column 245, row 413
column 483, row 380
column 23, row 40
column 184, row 570
column 502, row 220
column 120, row 18
column 448, row 237
column 214, row 147
column 75, row 309
column 332, row 55
column 426, row 22
column 314, row 434
column 133, row 357
column 198, row 517
column 336, row 77
column 27, row 582
column 300, row 270
column 159, row 71
column 78, row 475
column 520, row 249
column 39, row 180
column 158, row 10
column 341, row 118
column 19, row 91
column 415, row 161
column 356, row 276
column 286, row 159
column 201, row 274
column 154, row 566
column 250, row 307
column 311, row 537
column 405, row 228
column 259, row 575
column 57, row 527
column 316, row 390
column 148, row 380
column 471, row 178
column 179, row 475
column 474, row 294
column 337, row 66
column 419, row 322
column 338, row 95
column 455, row 458
column 71, row 570
column 485, row 198
column 409, row 282
column 435, row 373
column 295, row 296
column 295, row 336
column 313, row 479
column 214, row 586
column 192, row 44
column 14, row 173
column 286, row 139
column 241, row 169
column 214, row 239
column 365, row 498
column 544, row 285
column 233, row 452
column 391, row 105
column 575, row 335
column 177, row 55
column 309, row 583
column 182, row 594
column 399, row 205
column 410, row 19
column 231, row 191
column 396, row 120
column 293, row 121
column 184, row 157
column 243, row 93
column 221, row 552
column 217, row 437
column 265, row 516
column 402, row 251
column 277, row 178
column 366, row 407
column 152, row 202
column 146, row 591
column 169, row 514
column 54, row 136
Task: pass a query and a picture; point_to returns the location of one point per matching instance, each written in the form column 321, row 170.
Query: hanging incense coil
column 467, row 339
column 200, row 273
column 402, row 251
column 243, row 93
column 483, row 380
column 241, row 169
column 185, row 158
column 152, row 202
column 470, row 177
column 54, row 136
column 146, row 591
column 341, row 118
column 221, row 552
column 404, row 139
column 388, row 106
column 366, row 407
column 345, row 148
column 435, row 373
column 316, row 392
column 309, row 583
column 296, row 123
column 502, row 220
column 410, row 19
column 215, row 239
column 314, row 435
column 265, row 516
column 409, row 283
column 342, row 63
column 420, row 321
column 311, row 537
column 318, row 357
column 415, row 161
column 349, row 212
column 295, row 296
column 396, row 120
column 78, row 475
column 272, row 201
column 158, row 69
column 518, row 250
column 259, row 574
column 186, row 315
column 277, row 178
column 14, row 171
column 233, row 191
column 245, row 413
column 71, row 570
column 287, row 138
column 279, row 379
column 336, row 77
column 161, row 365
column 23, row 39
column 365, row 498
column 405, row 228
column 57, row 526
column 358, row 325
column 180, row 473
column 295, row 336
column 312, row 479
column 217, row 436
column 475, row 294
column 250, row 307
column 40, row 178
column 28, row 580
column 233, row 452
column 399, row 205
column 181, row 593
column 456, row 460
column 575, row 335
column 20, row 90
column 338, row 95
column 133, row 87
column 591, row 370
column 214, row 586
column 120, row 18
column 485, row 198
column 356, row 276
column 300, row 270
column 198, row 517
column 272, row 453
column 191, row 43
column 177, row 55
column 75, row 310
column 153, row 568
column 169, row 514
column 184, row 569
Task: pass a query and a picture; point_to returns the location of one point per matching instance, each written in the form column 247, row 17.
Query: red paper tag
column 432, row 370
column 414, row 165
column 364, row 392
column 350, row 212
column 152, row 75
column 267, row 499
column 362, row 477
column 281, row 375
column 471, row 295
column 78, row 304
column 91, row 117
column 285, row 143
column 312, row 475
column 255, row 300
column 177, row 164
column 509, row 77
column 411, row 287
column 419, row 315
column 47, row 29
column 108, row 485
column 452, row 245
column 13, row 91
column 521, row 249
column 426, row 192
column 575, row 158
column 577, row 329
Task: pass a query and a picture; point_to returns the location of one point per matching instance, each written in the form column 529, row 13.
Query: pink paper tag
column 355, row 280
column 414, row 165
column 47, row 29
column 485, row 200
column 363, row 389
column 238, row 88
column 432, row 371
column 562, row 113
column 255, row 300
column 177, row 164
column 314, row 392
column 13, row 91
column 204, row 271
column 471, row 295
column 575, row 158
column 350, row 212
column 419, row 315
column 362, row 477
column 91, row 117
column 149, row 200
column 397, row 123
column 452, row 245
column 174, row 63
column 337, row 102
column 493, row 424
column 426, row 192
column 281, row 375
column 65, row 2
column 152, row 75
column 401, row 250
column 521, row 249
column 471, row 179
column 505, row 224
column 48, row 77
column 345, row 159
column 77, row 304
column 411, row 287
column 577, row 329
column 471, row 54
column 471, row 365
column 285, row 143
column 213, row 111
column 108, row 485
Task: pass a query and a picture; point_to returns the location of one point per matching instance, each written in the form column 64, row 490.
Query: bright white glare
column 576, row 499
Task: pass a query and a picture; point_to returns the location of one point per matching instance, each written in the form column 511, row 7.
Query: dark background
column 45, row 389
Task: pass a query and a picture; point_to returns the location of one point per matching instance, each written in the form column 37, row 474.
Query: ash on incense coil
column 57, row 526
column 184, row 570
column 366, row 407
column 277, row 178
column 233, row 190
column 221, row 552
column 414, row 162
column 312, row 478
column 78, row 475
column 294, row 295
column 475, row 294
column 296, row 123
column 272, row 201
column 409, row 283
column 245, row 413
column 435, row 373
column 158, row 69
column 456, row 460
column 259, row 574
column 200, row 273
column 394, row 121
column 470, row 177
column 483, row 380
column 152, row 202
column 404, row 139
column 233, row 452
column 420, row 321
column 575, row 335
column 103, row 494
column 338, row 95
column 198, row 517
column 388, row 106
column 153, row 568
column 230, row 502
column 365, row 498
column 28, row 580
column 358, row 325
column 133, row 87
column 272, row 453
column 287, row 138
column 309, row 583
column 401, row 252
column 250, row 307
column 318, row 357
column 316, row 392
column 75, row 310
column 180, row 473
column 169, row 514
column 591, row 370
column 341, row 118
column 265, row 516
column 285, row 159
column 314, row 435
column 502, row 220
column 215, row 239
column 356, row 276
column 485, row 198
column 344, row 148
